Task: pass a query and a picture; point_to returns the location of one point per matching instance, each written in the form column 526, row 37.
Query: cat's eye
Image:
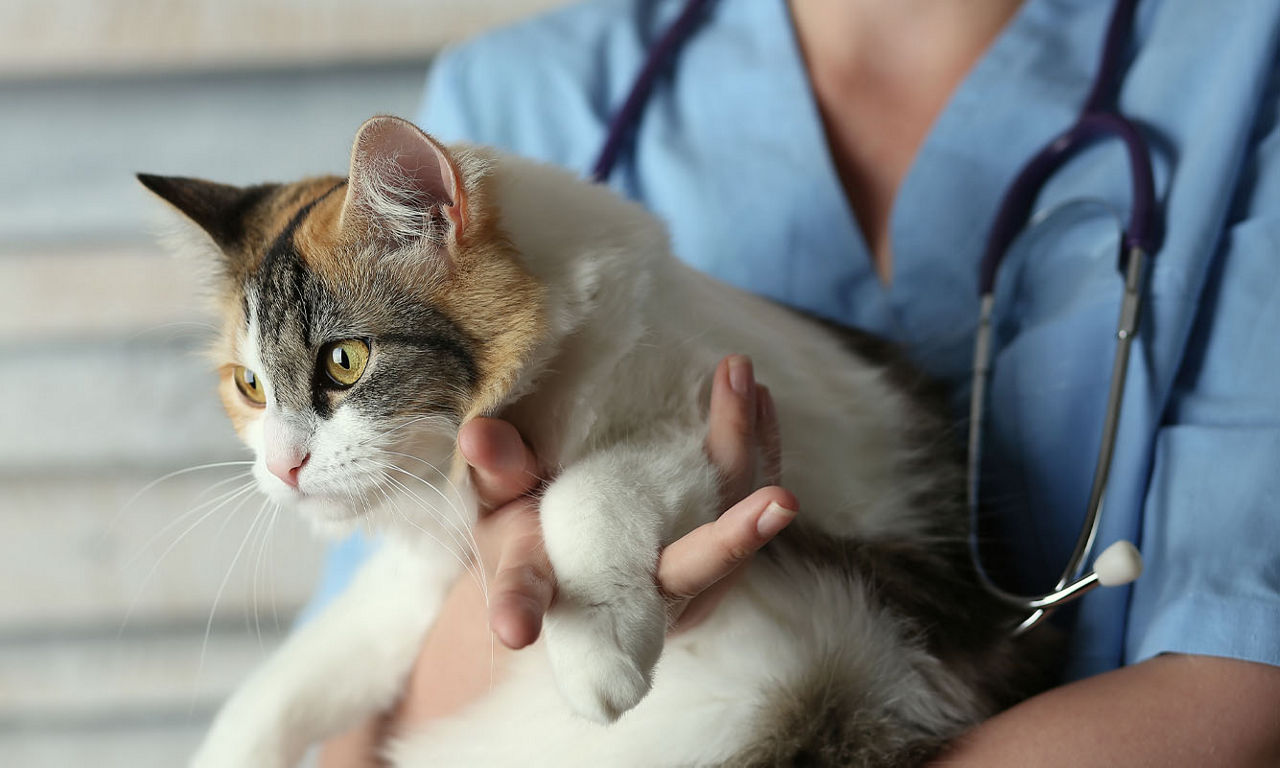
column 344, row 361
column 249, row 386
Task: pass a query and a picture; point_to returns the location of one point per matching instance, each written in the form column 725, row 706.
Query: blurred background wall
column 110, row 651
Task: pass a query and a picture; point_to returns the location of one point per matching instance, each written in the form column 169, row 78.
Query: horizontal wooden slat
column 162, row 743
column 44, row 37
column 93, row 552
column 136, row 292
column 118, row 682
column 75, row 144
column 96, row 405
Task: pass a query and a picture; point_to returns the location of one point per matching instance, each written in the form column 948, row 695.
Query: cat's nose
column 286, row 466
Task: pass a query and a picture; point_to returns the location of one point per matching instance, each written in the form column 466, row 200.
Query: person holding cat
column 844, row 158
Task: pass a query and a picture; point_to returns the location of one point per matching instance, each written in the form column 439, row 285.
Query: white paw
column 603, row 652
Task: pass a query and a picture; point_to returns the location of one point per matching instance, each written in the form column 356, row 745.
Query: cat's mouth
column 379, row 489
column 314, row 498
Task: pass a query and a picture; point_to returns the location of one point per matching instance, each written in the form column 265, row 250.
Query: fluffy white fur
column 617, row 402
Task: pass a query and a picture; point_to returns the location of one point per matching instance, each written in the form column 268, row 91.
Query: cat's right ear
column 400, row 179
column 221, row 210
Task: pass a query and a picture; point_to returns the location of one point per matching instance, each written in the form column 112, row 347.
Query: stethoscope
column 1120, row 563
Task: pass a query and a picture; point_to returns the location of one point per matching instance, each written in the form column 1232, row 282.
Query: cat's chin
column 333, row 530
column 328, row 518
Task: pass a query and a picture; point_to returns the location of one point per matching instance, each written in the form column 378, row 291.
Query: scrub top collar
column 1027, row 87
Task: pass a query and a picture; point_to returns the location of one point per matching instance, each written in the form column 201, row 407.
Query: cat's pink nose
column 287, row 465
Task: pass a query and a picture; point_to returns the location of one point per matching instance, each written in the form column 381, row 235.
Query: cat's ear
column 400, row 178
column 221, row 210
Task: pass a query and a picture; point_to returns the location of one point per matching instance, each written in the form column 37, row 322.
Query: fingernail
column 764, row 403
column 740, row 375
column 774, row 518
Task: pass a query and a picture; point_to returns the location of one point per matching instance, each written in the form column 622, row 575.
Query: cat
column 366, row 318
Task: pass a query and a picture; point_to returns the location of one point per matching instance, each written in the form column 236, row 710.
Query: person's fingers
column 768, row 436
column 523, row 585
column 712, row 551
column 731, row 426
column 502, row 466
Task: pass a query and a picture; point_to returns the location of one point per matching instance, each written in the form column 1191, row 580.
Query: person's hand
column 457, row 664
column 742, row 442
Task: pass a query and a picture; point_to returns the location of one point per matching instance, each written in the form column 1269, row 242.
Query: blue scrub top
column 731, row 153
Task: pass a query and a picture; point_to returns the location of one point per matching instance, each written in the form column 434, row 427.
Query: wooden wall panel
column 47, row 37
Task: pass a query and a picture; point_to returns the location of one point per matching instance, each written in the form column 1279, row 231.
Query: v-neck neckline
column 994, row 120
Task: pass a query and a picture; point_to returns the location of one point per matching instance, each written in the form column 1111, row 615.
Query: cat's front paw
column 603, row 651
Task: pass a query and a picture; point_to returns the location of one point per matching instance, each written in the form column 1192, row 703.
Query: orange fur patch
column 485, row 291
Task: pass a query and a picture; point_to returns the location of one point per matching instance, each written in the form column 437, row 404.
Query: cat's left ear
column 400, row 177
column 221, row 210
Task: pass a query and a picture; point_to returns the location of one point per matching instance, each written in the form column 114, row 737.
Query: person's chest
column 734, row 156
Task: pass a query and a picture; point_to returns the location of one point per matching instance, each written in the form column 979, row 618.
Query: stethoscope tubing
column 1097, row 121
column 628, row 115
column 1019, row 198
column 1074, row 581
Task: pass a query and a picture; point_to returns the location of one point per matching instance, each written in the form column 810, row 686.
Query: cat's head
column 363, row 319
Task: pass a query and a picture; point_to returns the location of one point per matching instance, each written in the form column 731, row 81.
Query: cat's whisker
column 444, row 475
column 187, row 470
column 474, row 565
column 462, row 523
column 186, row 515
column 271, row 571
column 449, row 525
column 410, row 421
column 391, row 505
column 226, row 521
column 468, row 542
column 208, row 627
column 172, row 325
column 240, row 493
column 263, row 539
column 455, row 501
column 465, row 519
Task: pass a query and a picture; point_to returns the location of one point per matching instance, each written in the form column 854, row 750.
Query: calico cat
column 366, row 318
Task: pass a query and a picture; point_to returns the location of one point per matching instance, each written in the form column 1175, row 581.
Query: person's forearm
column 1169, row 711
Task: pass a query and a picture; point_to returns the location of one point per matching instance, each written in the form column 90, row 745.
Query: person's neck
column 882, row 71
column 903, row 40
